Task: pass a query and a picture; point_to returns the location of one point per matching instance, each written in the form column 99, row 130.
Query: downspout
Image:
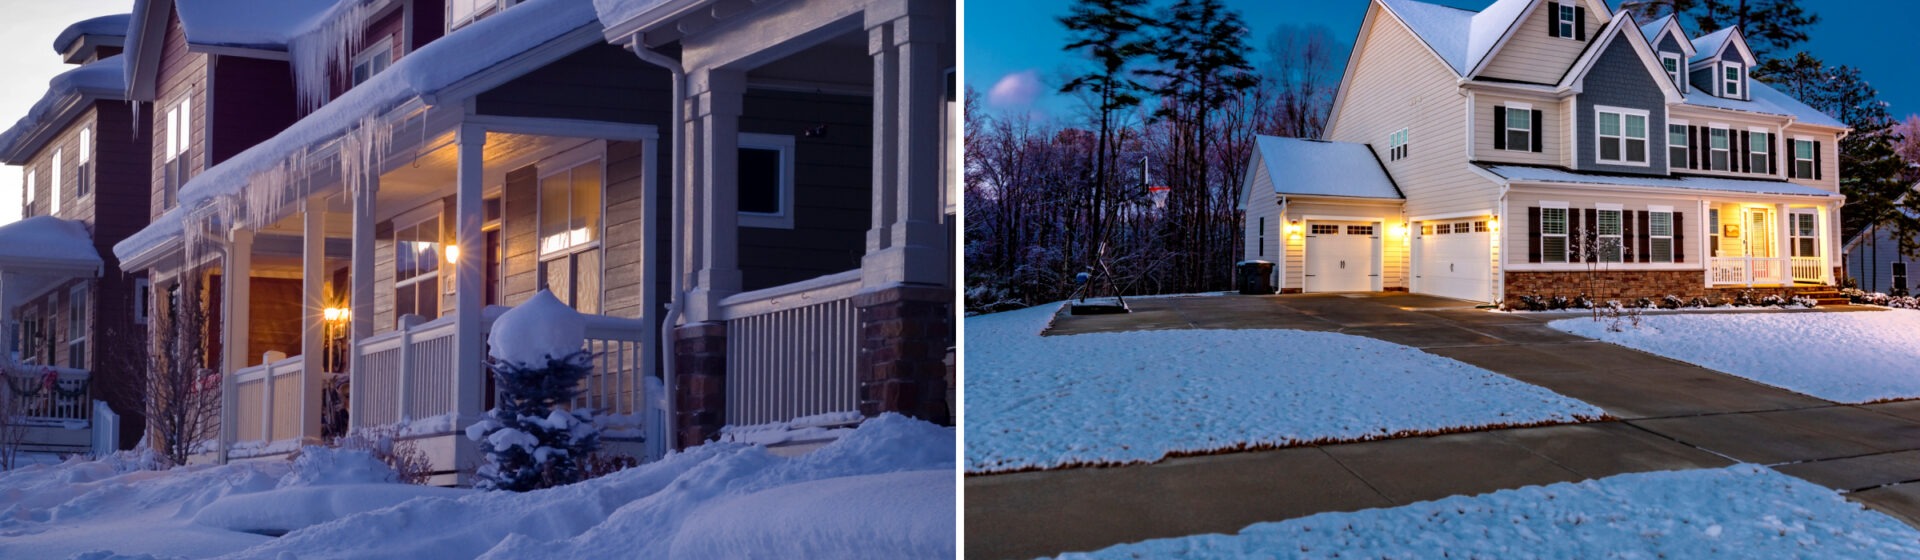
column 679, row 290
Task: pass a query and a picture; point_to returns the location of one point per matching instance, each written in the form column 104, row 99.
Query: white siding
column 1531, row 55
column 1393, row 247
column 1553, row 120
column 1871, row 263
column 1829, row 158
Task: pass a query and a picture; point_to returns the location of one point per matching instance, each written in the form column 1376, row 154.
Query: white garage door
column 1454, row 257
column 1340, row 256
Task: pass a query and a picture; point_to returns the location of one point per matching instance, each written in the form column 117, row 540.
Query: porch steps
column 1826, row 297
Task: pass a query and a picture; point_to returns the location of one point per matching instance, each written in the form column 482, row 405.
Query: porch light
column 1293, row 229
column 335, row 314
column 453, row 254
column 1493, row 224
column 1400, row 230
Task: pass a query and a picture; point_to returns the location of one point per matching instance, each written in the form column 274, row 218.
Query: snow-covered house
column 1875, row 263
column 68, row 307
column 1535, row 144
column 720, row 170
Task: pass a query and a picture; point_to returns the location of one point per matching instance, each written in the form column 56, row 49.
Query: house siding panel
column 600, row 83
column 1553, row 121
column 1668, row 44
column 1619, row 78
column 180, row 74
column 255, row 101
column 1870, row 262
column 833, row 194
column 1532, row 55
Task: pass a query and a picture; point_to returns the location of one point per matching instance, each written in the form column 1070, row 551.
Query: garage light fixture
column 1293, row 229
column 1400, row 231
column 1494, row 224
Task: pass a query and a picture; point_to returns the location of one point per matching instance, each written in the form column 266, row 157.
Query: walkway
column 1672, row 416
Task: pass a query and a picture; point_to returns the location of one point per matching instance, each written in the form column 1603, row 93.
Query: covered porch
column 51, row 407
column 1771, row 244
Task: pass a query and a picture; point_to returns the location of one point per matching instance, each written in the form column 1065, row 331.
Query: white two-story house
column 1549, row 148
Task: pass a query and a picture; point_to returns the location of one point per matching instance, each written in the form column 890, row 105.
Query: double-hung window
column 1520, row 128
column 1660, row 235
column 1566, row 20
column 1731, row 75
column 179, row 135
column 83, row 165
column 1671, row 63
column 1803, row 159
column 1609, row 229
column 1899, row 277
column 1623, row 136
column 372, row 60
column 416, row 263
column 1720, row 148
column 77, row 327
column 1397, row 145
column 1802, row 229
column 1677, row 144
column 142, row 300
column 1759, row 150
column 54, row 184
column 1553, row 234
column 570, row 234
column 462, row 12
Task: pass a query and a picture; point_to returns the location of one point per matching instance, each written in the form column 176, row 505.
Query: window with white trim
column 33, row 185
column 1262, row 234
column 1397, row 145
column 570, row 220
column 1359, row 230
column 1609, row 227
column 463, row 12
column 1324, row 229
column 142, row 300
column 1520, row 129
column 77, row 327
column 1442, row 229
column 1660, row 235
column 1899, row 270
column 1719, row 149
column 1730, row 75
column 1713, row 232
column 1671, row 63
column 54, row 183
column 1567, row 21
column 372, row 60
column 1759, row 151
column 1802, row 231
column 416, row 263
column 1623, row 136
column 1677, row 144
column 179, row 135
column 1803, row 159
column 1553, row 235
column 83, row 165
column 766, row 181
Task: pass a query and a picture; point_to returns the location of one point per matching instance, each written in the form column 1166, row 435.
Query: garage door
column 1340, row 257
column 1454, row 258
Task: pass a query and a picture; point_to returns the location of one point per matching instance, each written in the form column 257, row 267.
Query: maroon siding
column 429, row 21
column 253, row 100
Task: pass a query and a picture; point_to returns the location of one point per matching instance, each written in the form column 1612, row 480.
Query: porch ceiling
column 431, row 173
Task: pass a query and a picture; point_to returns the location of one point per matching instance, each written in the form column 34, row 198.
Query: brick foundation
column 904, row 335
column 1632, row 284
column 700, row 382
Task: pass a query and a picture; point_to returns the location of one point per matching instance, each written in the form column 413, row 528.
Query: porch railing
column 267, row 400
column 1809, row 269
column 1746, row 271
column 53, row 396
column 791, row 350
column 409, row 372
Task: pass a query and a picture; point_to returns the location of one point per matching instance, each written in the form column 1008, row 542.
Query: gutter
column 679, row 290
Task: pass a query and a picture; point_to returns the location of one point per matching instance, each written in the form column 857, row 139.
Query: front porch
column 1771, row 245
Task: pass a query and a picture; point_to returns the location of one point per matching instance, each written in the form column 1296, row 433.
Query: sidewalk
column 1672, row 416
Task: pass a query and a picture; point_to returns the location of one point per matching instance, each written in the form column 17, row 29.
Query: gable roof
column 1652, row 31
column 1444, row 29
column 66, row 95
column 1768, row 101
column 1302, row 167
column 105, row 26
column 238, row 24
column 1709, row 46
column 1622, row 27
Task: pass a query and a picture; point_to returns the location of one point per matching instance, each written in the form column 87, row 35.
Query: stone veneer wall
column 904, row 335
column 1632, row 284
column 700, row 383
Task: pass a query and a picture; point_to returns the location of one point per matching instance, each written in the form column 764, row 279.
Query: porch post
column 716, row 96
column 1783, row 236
column 469, row 367
column 1829, row 243
column 313, row 273
column 236, row 295
column 360, row 308
column 921, row 42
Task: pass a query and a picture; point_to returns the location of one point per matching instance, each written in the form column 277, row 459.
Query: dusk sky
column 1015, row 44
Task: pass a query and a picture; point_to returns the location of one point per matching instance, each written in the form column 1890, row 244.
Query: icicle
column 330, row 45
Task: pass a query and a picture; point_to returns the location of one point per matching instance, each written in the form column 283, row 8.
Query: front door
column 1340, row 256
column 1760, row 233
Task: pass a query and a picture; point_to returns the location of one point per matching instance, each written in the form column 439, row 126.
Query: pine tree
column 1110, row 32
column 1772, row 27
column 529, row 443
column 1873, row 175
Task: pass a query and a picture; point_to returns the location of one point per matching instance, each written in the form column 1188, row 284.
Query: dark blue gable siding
column 1620, row 79
column 1702, row 80
column 1670, row 45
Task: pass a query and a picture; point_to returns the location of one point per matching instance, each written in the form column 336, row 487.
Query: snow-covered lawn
column 1845, row 357
column 885, row 490
column 1114, row 398
column 1743, row 511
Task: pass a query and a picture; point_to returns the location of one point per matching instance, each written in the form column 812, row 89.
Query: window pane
column 587, row 282
column 1677, row 157
column 1720, row 161
column 1719, row 137
column 1802, row 149
column 1610, row 149
column 429, row 305
column 1803, row 169
column 403, row 300
column 1676, row 135
column 1662, row 250
column 1553, row 249
column 1519, row 118
column 1805, row 223
column 559, row 277
column 1759, row 163
column 1553, row 221
column 555, row 204
column 1609, row 222
column 1636, row 150
column 1806, row 247
column 427, row 246
column 1660, row 224
column 585, row 222
column 1636, row 126
column 1609, row 124
column 1518, row 140
column 760, row 180
column 403, row 265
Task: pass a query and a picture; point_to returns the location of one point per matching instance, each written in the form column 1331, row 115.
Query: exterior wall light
column 453, row 254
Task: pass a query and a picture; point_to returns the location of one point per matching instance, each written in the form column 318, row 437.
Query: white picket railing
column 1809, row 269
column 1748, row 271
column 40, row 403
column 267, row 401
column 410, row 372
column 791, row 350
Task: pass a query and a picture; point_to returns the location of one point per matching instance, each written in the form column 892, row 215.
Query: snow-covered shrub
column 1854, row 295
column 410, row 465
column 1773, row 300
column 1745, row 299
column 1582, row 302
column 318, row 465
column 1557, row 303
column 1642, row 303
column 1533, row 303
column 1805, row 302
column 538, row 364
column 603, row 464
column 1903, row 302
column 1698, row 302
column 1672, row 302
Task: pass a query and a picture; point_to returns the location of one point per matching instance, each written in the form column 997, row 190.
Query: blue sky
column 1021, row 39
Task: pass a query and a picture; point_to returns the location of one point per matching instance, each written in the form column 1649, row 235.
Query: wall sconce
column 336, row 314
column 453, row 254
column 1293, row 229
column 1494, row 224
column 1400, row 231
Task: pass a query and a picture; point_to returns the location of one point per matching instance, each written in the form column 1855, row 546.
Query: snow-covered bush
column 409, row 464
column 1582, row 302
column 1699, row 302
column 1773, row 300
column 1672, row 302
column 318, row 465
column 537, row 365
column 1745, row 299
column 1643, row 303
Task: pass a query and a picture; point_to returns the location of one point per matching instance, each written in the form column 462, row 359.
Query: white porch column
column 1830, row 253
column 235, row 305
column 313, row 282
column 910, row 54
column 469, row 367
column 716, row 103
column 1783, row 231
column 360, row 312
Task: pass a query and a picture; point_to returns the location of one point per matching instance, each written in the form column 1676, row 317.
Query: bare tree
column 1304, row 64
column 181, row 395
column 13, row 425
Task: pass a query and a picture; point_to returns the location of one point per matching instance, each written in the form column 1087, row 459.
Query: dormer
column 1720, row 64
column 1531, row 41
column 90, row 40
column 1671, row 46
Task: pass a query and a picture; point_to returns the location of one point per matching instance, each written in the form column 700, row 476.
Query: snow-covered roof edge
column 66, row 93
column 1353, row 166
column 106, row 26
column 1561, row 175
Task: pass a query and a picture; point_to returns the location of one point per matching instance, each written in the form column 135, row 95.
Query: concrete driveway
column 1671, row 415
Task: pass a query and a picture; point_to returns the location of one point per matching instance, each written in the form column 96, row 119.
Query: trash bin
column 1256, row 278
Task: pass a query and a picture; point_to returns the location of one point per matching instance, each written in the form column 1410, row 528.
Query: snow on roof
column 1444, row 28
column 102, row 79
column 250, row 23
column 1528, row 173
column 1708, row 46
column 1320, row 168
column 615, row 12
column 426, row 71
column 1651, row 29
column 1490, row 26
column 1768, row 101
column 46, row 241
column 110, row 26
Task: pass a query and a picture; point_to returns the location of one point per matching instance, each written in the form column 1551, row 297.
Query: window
column 1805, row 243
column 179, row 135
column 83, row 165
column 54, row 185
column 1480, row 226
column 1397, row 145
column 1462, row 227
column 1520, row 128
column 1677, row 144
column 1759, row 151
column 766, row 181
column 462, row 12
column 1671, row 63
column 1567, row 21
column 570, row 235
column 1899, row 278
column 1426, row 229
column 374, row 59
column 1609, row 228
column 1553, row 234
column 1713, row 232
column 1359, row 230
column 416, row 263
column 1442, row 229
column 1262, row 234
column 1623, row 136
column 1325, row 229
column 142, row 299
column 33, row 185
column 1660, row 234
column 1731, row 77
column 1803, row 159
column 1719, row 147
column 77, row 327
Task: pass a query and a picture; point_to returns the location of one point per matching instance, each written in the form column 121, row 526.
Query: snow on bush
column 1115, row 398
column 538, row 364
column 1742, row 511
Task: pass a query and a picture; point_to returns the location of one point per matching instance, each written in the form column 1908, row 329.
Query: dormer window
column 1731, row 75
column 1671, row 63
column 371, row 61
column 1569, row 20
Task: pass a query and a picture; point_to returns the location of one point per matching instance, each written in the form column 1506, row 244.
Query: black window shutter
column 1679, row 237
column 1646, row 238
column 1628, row 243
column 1533, row 234
column 1499, row 127
column 1746, row 139
column 1773, row 153
column 1792, row 172
column 1693, row 147
column 1816, row 161
column 1553, row 19
column 1576, row 236
column 1538, row 128
column 1593, row 220
column 1579, row 23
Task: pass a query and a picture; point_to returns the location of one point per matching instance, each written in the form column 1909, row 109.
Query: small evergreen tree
column 537, row 366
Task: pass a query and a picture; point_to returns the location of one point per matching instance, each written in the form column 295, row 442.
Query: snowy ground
column 1113, row 398
column 885, row 490
column 1743, row 511
column 1845, row 357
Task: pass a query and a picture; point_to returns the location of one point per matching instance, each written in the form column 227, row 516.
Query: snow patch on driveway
column 1845, row 357
column 1132, row 397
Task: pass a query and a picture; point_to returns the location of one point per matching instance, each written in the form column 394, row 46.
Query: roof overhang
column 1672, row 26
column 83, row 47
column 146, row 37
